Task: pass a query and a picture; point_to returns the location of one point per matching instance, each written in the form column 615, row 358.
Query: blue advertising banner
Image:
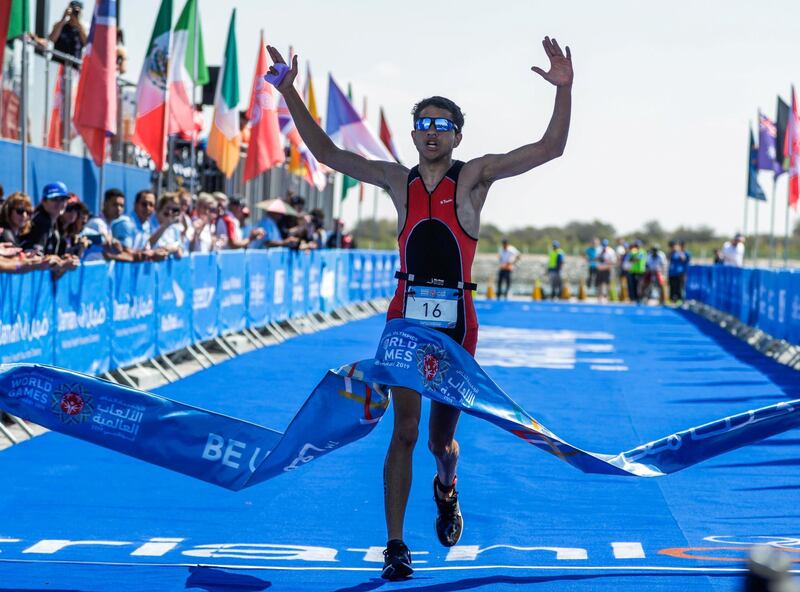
column 356, row 271
column 259, row 298
column 232, row 278
column 342, row 278
column 368, row 291
column 83, row 319
column 173, row 305
column 205, row 304
column 27, row 326
column 133, row 331
column 327, row 289
column 314, row 275
column 281, row 287
column 793, row 307
column 298, row 265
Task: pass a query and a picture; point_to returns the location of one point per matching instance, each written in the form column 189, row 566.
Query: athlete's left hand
column 560, row 73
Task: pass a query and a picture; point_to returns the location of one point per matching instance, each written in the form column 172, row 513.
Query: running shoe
column 396, row 561
column 449, row 523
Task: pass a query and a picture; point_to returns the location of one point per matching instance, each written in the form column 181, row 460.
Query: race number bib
column 434, row 307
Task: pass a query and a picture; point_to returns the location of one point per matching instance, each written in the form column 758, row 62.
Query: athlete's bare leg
column 397, row 467
column 441, row 441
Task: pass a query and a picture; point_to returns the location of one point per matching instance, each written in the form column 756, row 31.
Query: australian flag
column 767, row 153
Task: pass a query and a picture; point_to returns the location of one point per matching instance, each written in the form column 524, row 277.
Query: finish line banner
column 344, row 407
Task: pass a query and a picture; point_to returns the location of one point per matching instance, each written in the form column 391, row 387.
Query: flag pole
column 195, row 68
column 773, row 244
column 339, row 219
column 786, row 235
column 744, row 227
column 166, row 139
column 755, row 232
column 24, row 113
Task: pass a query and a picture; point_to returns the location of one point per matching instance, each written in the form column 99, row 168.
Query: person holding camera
column 68, row 34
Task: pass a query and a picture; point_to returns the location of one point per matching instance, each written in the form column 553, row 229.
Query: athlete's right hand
column 288, row 80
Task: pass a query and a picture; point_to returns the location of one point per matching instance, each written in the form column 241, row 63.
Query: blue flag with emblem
column 344, row 407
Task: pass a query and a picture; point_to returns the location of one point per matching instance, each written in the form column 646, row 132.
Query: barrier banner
column 205, row 304
column 356, row 271
column 133, row 330
column 281, row 287
column 342, row 278
column 314, row 274
column 345, row 406
column 793, row 307
column 83, row 319
column 258, row 297
column 173, row 305
column 232, row 278
column 368, row 288
column 27, row 326
column 327, row 287
column 298, row 266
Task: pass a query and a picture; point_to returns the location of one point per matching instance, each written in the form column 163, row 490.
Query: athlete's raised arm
column 523, row 159
column 375, row 172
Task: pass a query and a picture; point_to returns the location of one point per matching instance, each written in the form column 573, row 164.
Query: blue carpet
column 78, row 517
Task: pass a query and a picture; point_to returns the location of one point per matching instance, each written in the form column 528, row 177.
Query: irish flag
column 150, row 132
column 188, row 70
column 224, row 140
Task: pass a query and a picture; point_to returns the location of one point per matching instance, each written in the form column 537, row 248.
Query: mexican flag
column 188, row 70
column 150, row 132
column 14, row 21
column 224, row 140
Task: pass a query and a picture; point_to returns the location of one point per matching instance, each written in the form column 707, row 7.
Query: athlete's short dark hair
column 442, row 103
column 112, row 193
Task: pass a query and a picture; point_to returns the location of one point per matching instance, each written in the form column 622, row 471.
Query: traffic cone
column 537, row 290
column 490, row 295
column 581, row 290
column 565, row 293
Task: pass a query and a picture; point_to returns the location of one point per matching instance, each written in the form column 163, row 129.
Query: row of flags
column 778, row 150
column 173, row 67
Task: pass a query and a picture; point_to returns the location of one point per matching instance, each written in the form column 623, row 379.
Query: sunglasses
column 72, row 208
column 22, row 211
column 172, row 211
column 442, row 124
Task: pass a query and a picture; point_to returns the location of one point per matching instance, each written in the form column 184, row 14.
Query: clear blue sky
column 663, row 92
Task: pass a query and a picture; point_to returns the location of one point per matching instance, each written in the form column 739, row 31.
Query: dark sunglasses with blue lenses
column 442, row 124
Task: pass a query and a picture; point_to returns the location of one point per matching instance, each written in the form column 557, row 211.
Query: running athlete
column 438, row 204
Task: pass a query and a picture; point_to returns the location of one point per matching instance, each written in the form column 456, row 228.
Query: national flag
column 348, row 182
column 767, row 157
column 311, row 96
column 188, row 70
column 96, row 98
column 15, row 20
column 55, row 131
column 753, row 188
column 224, row 139
column 348, row 130
column 150, row 132
column 265, row 149
column 781, row 121
column 386, row 136
column 792, row 149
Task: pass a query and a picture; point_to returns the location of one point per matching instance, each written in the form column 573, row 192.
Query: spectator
column 122, row 53
column 508, row 257
column 187, row 206
column 339, row 239
column 238, row 217
column 225, row 220
column 636, row 266
column 655, row 266
column 133, row 232
column 70, row 226
column 732, row 253
column 43, row 237
column 168, row 237
column 621, row 251
column 100, row 226
column 15, row 218
column 304, row 229
column 318, row 224
column 678, row 267
column 13, row 261
column 69, row 34
column 606, row 261
column 591, row 258
column 554, row 264
column 204, row 224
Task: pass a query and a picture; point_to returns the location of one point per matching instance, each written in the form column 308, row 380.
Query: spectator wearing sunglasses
column 168, row 237
column 15, row 218
column 439, row 203
column 70, row 225
column 43, row 237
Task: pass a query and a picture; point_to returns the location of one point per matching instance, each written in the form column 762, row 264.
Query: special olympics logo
column 432, row 365
column 72, row 403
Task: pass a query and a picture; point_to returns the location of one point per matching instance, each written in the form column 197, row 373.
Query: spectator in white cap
column 733, row 251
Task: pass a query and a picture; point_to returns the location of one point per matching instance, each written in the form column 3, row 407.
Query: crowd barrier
column 110, row 315
column 763, row 298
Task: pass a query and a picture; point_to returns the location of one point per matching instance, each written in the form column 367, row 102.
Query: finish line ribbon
column 344, row 407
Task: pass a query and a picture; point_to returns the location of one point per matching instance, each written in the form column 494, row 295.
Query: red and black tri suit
column 433, row 244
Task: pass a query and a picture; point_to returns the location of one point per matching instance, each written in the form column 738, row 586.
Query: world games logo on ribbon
column 72, row 403
column 432, row 365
